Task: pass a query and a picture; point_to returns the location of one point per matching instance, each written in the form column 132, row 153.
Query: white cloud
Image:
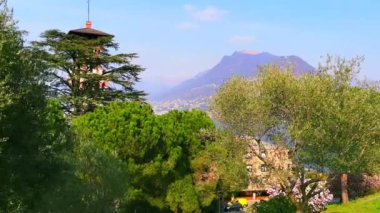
column 242, row 39
column 210, row 13
column 188, row 8
column 188, row 26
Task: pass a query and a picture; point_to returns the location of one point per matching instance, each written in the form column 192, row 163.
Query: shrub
column 316, row 203
column 278, row 204
column 359, row 185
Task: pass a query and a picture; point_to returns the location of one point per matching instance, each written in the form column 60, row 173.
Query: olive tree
column 326, row 123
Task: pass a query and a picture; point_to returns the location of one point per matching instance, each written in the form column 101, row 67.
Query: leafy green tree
column 218, row 169
column 279, row 204
column 315, row 116
column 31, row 128
column 343, row 126
column 156, row 150
column 182, row 196
column 93, row 181
column 166, row 157
column 71, row 59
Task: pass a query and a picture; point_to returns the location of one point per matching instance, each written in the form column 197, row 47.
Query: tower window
column 262, row 153
column 264, row 168
column 248, row 155
column 249, row 168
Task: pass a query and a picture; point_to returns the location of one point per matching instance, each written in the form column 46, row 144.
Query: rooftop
column 88, row 31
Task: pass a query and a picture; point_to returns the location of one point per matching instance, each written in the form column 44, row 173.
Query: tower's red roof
column 89, row 32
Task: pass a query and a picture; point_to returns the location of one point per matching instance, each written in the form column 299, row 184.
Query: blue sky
column 177, row 39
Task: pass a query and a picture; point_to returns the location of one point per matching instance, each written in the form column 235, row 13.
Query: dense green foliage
column 31, row 128
column 222, row 158
column 70, row 60
column 160, row 154
column 338, row 121
column 279, row 204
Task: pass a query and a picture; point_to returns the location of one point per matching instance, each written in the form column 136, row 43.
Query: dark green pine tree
column 83, row 73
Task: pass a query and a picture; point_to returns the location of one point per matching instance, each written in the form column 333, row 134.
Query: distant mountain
column 242, row 63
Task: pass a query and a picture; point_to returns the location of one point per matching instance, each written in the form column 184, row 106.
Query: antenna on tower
column 88, row 10
column 88, row 22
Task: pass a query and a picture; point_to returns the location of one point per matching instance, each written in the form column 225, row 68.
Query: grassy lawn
column 366, row 204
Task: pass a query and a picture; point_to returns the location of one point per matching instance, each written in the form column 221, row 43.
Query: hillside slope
column 368, row 204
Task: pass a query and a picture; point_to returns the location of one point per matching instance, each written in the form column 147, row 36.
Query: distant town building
column 262, row 175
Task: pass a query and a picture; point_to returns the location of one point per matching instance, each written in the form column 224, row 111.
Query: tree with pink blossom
column 312, row 198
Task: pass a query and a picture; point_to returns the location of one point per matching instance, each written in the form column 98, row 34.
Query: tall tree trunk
column 301, row 207
column 343, row 181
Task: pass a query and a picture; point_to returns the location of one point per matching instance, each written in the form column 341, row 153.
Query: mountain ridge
column 244, row 63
